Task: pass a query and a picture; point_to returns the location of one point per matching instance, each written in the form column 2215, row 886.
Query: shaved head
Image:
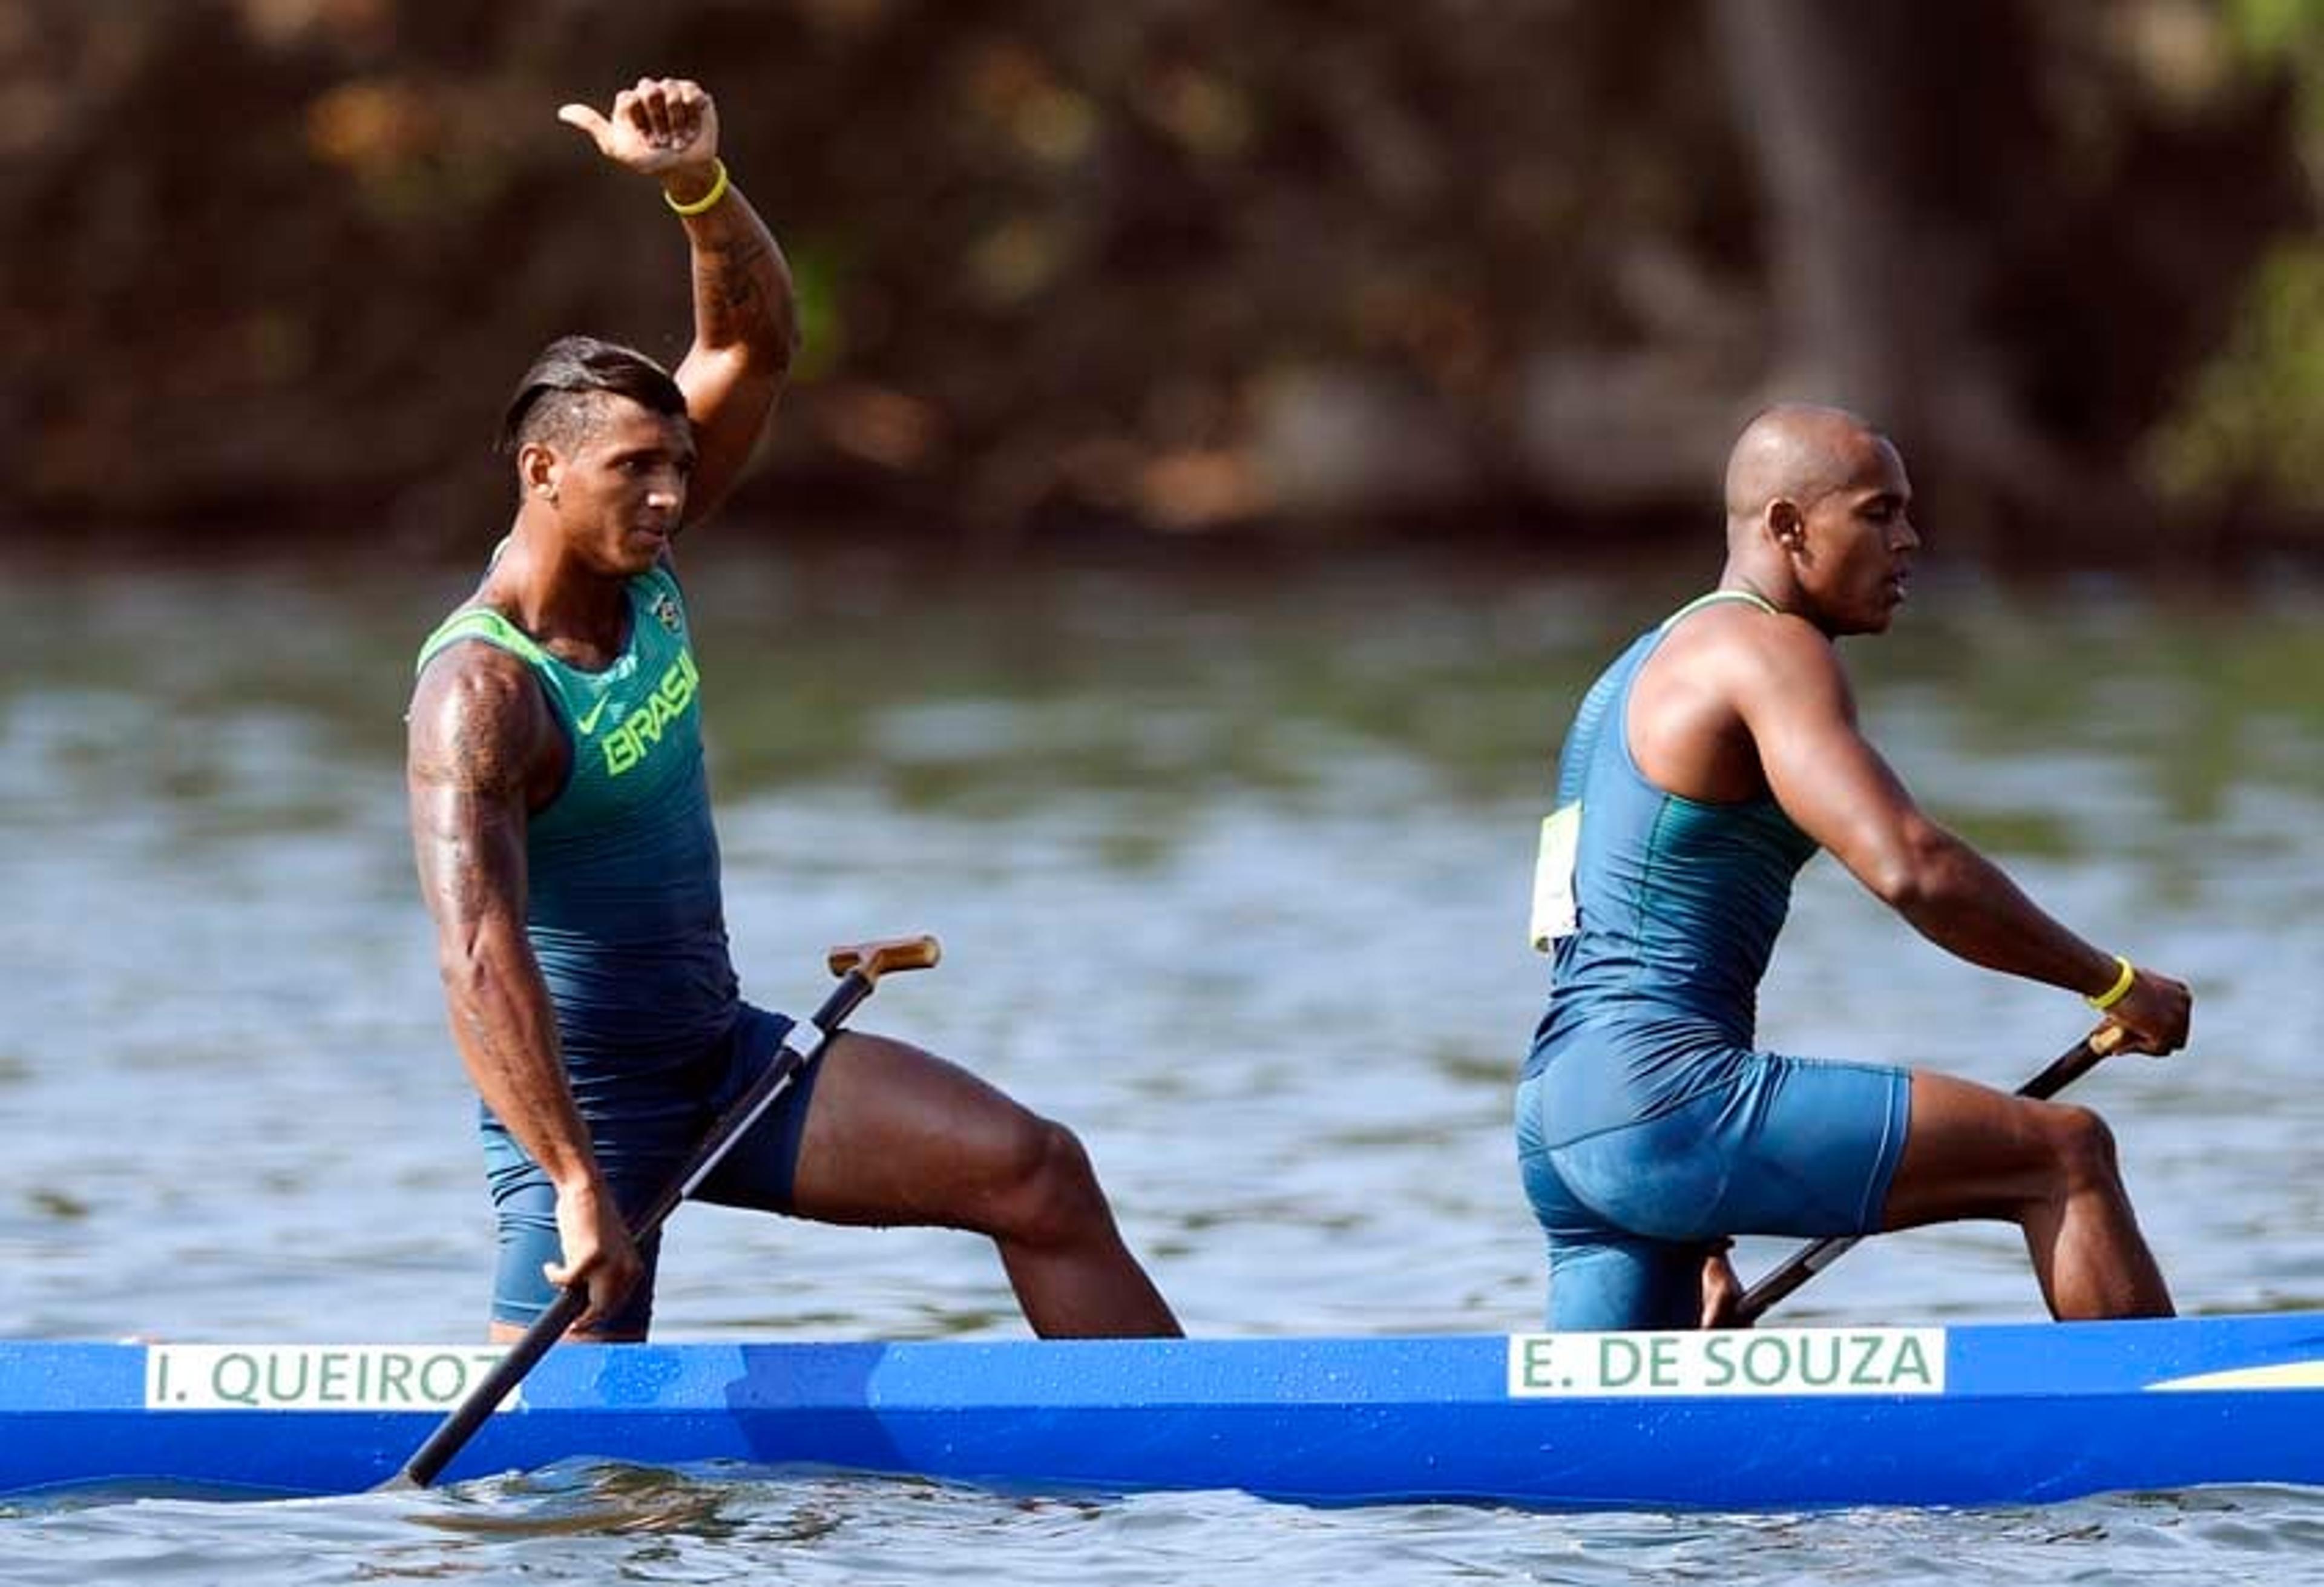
column 1819, row 518
column 1796, row 452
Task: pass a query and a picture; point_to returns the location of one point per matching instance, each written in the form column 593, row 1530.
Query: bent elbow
column 1900, row 886
column 465, row 963
column 459, row 967
column 1916, row 874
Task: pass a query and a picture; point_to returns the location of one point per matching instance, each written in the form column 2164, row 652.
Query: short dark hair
column 556, row 402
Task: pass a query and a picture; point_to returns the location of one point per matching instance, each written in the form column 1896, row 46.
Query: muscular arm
column 1801, row 714
column 745, row 316
column 479, row 729
column 1736, row 704
column 475, row 721
column 745, row 331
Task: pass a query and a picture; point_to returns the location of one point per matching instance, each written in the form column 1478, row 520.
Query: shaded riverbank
column 1180, row 270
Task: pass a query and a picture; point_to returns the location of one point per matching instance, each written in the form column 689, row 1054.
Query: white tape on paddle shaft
column 804, row 1037
column 1555, row 915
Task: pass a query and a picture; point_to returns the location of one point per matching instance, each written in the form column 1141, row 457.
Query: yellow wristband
column 2119, row 989
column 717, row 192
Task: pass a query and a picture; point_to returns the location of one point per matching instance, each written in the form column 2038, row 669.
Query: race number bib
column 1554, row 915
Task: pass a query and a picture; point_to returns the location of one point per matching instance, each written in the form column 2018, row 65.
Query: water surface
column 1231, row 875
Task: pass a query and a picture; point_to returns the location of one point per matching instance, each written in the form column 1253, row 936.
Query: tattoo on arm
column 742, row 290
column 728, row 287
column 745, row 332
column 467, row 784
column 478, row 725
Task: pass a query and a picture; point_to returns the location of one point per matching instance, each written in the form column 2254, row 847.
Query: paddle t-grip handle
column 873, row 960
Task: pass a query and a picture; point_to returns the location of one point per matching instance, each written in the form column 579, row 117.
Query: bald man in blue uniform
column 1704, row 768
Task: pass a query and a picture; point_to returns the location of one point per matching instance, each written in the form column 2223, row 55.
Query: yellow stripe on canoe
column 2284, row 1375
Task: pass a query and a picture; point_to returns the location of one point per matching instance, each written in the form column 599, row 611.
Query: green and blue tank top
column 623, row 908
column 1675, row 905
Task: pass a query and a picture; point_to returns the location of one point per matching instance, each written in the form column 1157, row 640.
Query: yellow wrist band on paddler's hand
column 2119, row 989
column 717, row 192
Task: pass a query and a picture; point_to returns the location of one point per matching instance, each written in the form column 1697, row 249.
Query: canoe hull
column 1780, row 1419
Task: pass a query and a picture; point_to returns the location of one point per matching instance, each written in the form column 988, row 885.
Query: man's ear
column 1788, row 524
column 537, row 469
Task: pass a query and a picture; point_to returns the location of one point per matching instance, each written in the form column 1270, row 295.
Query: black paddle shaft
column 452, row 1435
column 1811, row 1260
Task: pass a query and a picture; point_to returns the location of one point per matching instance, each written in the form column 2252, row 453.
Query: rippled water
column 1231, row 876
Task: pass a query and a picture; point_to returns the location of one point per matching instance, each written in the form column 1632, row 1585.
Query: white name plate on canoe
column 316, row 1377
column 1729, row 1362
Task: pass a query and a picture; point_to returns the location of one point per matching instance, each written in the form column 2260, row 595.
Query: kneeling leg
column 897, row 1135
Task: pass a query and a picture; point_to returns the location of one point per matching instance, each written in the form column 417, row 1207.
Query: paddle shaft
column 801, row 1045
column 1811, row 1260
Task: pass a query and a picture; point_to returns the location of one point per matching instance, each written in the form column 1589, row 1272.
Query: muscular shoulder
column 1790, row 669
column 478, row 722
column 1716, row 686
column 1750, row 656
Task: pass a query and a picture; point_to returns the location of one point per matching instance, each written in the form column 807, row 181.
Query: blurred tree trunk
column 1894, row 142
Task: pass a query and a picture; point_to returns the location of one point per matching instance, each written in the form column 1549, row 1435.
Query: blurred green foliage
column 2247, row 434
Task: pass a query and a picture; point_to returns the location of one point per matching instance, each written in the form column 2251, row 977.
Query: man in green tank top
column 561, row 822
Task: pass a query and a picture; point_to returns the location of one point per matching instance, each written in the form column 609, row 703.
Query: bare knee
column 1045, row 1192
column 1975, row 1153
column 2083, row 1145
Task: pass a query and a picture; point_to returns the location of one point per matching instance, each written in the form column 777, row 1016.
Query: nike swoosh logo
column 588, row 723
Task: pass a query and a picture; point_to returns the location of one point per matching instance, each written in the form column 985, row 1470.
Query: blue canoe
column 1774, row 1418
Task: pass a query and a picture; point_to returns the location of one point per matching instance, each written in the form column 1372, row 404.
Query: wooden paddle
column 858, row 967
column 1811, row 1260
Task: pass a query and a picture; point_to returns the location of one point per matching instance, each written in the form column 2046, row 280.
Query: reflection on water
column 578, row 1499
column 1231, row 875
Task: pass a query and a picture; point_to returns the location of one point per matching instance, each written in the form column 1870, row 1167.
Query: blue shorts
column 1783, row 1146
column 641, row 1150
